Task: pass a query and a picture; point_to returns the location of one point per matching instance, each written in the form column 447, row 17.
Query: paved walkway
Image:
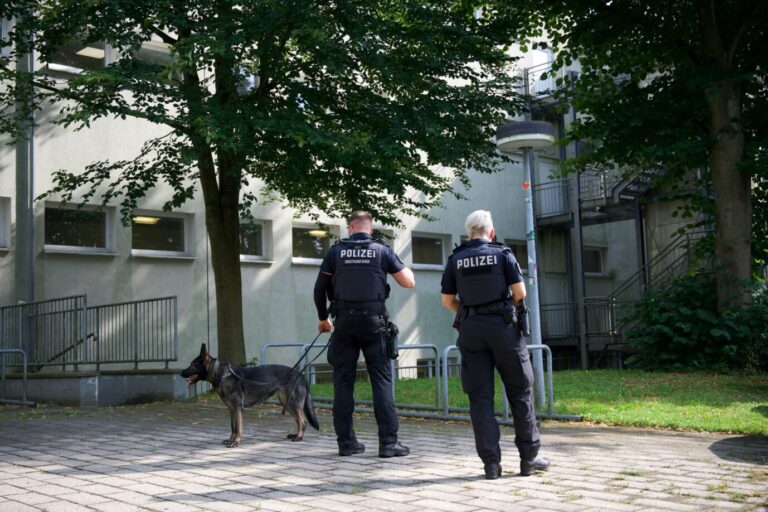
column 168, row 457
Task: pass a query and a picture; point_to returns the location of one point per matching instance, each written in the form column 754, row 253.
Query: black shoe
column 492, row 471
column 529, row 467
column 351, row 448
column 393, row 450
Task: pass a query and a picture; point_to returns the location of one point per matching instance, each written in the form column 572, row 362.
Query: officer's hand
column 324, row 326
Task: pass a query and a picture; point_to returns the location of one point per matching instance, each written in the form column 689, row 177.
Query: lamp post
column 526, row 136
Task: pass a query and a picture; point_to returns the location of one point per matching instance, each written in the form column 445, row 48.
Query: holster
column 523, row 326
column 391, row 340
column 461, row 315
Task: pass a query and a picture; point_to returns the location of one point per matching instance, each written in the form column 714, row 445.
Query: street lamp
column 526, row 136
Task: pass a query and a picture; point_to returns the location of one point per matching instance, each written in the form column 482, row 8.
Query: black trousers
column 352, row 334
column 487, row 342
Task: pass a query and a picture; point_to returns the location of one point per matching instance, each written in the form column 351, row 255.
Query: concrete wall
column 98, row 389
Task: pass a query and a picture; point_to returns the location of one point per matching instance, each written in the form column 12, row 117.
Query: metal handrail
column 23, row 400
column 550, row 391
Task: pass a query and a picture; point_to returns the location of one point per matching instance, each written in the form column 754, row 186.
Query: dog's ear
column 203, row 351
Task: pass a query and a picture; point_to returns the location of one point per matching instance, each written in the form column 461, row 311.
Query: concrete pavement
column 169, row 457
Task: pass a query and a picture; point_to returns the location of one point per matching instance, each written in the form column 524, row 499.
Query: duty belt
column 360, row 308
column 496, row 308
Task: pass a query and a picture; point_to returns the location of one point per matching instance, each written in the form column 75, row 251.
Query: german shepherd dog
column 243, row 387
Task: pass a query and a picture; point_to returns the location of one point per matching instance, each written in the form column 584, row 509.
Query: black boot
column 492, row 471
column 351, row 448
column 393, row 450
column 529, row 467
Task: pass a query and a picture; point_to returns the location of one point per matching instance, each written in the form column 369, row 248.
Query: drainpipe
column 579, row 281
column 25, row 194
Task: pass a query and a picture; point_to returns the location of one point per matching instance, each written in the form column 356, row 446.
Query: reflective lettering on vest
column 477, row 261
column 479, row 271
column 357, row 256
column 359, row 276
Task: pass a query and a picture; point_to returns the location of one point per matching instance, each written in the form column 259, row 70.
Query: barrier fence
column 443, row 365
column 3, row 399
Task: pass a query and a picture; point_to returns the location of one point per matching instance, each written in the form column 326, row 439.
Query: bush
column 678, row 329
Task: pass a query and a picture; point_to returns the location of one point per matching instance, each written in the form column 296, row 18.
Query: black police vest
column 359, row 274
column 479, row 272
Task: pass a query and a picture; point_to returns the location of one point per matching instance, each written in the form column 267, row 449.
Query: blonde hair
column 479, row 224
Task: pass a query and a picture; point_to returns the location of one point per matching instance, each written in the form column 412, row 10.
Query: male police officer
column 483, row 274
column 354, row 275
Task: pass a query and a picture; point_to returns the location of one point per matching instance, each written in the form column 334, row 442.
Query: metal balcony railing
column 65, row 332
column 552, row 198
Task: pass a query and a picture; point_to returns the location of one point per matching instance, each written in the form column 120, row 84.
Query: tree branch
column 162, row 35
column 121, row 110
column 754, row 8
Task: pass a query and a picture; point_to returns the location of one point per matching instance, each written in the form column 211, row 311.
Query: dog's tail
column 309, row 410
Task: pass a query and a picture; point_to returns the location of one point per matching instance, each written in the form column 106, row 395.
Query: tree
column 331, row 106
column 681, row 84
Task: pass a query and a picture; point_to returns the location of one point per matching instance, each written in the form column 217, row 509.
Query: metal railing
column 24, row 395
column 133, row 332
column 552, row 198
column 66, row 332
column 441, row 409
column 47, row 331
column 397, row 370
column 559, row 320
column 604, row 313
column 541, row 80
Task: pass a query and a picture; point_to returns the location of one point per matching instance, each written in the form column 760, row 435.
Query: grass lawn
column 707, row 402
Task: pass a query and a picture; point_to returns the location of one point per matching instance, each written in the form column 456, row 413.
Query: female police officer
column 483, row 274
column 354, row 275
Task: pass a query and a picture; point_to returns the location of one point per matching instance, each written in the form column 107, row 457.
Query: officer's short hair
column 359, row 215
column 478, row 223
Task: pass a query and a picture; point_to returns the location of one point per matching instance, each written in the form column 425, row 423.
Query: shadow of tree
column 752, row 449
column 761, row 409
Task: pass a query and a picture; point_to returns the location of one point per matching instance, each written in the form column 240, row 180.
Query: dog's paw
column 232, row 444
column 295, row 437
column 291, row 436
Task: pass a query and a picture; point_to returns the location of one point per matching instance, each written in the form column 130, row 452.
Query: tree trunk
column 733, row 206
column 223, row 232
column 732, row 186
column 222, row 220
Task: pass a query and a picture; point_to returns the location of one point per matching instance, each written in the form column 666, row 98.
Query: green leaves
column 678, row 327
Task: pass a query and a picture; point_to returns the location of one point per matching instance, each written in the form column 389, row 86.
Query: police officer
column 354, row 275
column 487, row 279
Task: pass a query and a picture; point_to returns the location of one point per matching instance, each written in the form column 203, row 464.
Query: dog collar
column 213, row 372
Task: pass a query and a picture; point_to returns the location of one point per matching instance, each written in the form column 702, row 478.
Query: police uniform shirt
column 481, row 273
column 360, row 269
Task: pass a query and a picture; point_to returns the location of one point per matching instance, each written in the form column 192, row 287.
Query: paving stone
column 139, row 459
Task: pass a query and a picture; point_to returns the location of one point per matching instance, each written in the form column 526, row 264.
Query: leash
column 292, row 382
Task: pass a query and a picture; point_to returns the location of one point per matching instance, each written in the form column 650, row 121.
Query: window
column 428, row 251
column 592, row 261
column 79, row 229
column 161, row 235
column 520, row 250
column 5, row 40
column 311, row 243
column 255, row 240
column 155, row 52
column 74, row 57
column 5, row 223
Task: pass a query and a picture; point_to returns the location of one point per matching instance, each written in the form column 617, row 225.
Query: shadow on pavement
column 752, row 449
